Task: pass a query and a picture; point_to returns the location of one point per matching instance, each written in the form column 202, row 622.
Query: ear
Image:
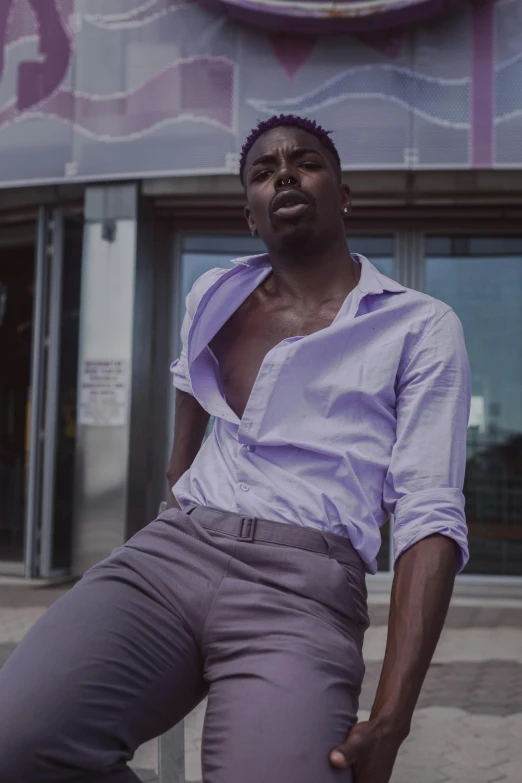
column 346, row 201
column 250, row 221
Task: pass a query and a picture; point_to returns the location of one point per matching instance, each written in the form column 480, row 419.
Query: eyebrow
column 299, row 152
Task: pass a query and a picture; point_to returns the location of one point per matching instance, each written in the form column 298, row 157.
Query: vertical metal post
column 51, row 393
column 391, row 556
column 37, row 372
column 172, row 755
column 409, row 259
column 171, row 745
column 176, row 315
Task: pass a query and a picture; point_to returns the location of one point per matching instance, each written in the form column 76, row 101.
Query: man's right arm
column 189, row 430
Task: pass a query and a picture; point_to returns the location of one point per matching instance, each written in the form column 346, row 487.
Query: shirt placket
column 252, row 422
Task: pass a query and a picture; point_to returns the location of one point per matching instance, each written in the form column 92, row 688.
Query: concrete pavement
column 468, row 724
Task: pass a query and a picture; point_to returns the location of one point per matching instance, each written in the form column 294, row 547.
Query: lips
column 290, row 202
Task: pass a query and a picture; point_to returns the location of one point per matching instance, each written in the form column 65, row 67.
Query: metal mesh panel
column 126, row 88
column 508, row 83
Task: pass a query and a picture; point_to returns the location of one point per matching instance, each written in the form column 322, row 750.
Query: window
column 481, row 278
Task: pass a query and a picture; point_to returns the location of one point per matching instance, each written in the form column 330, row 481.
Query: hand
column 370, row 749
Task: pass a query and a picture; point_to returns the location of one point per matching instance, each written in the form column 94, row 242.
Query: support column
column 483, row 85
column 105, row 372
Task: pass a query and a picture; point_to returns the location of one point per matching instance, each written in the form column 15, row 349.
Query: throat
column 305, row 274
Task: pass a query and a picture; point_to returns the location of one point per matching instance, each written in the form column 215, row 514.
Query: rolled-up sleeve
column 423, row 486
column 180, row 368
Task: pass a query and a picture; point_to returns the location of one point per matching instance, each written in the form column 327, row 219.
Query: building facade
column 121, row 123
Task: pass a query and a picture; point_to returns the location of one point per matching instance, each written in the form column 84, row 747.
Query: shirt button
column 251, row 448
column 244, row 487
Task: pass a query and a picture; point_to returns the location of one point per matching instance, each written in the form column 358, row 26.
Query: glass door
column 17, row 290
column 56, row 547
column 49, row 516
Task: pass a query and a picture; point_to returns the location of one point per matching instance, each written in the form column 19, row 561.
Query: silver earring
column 345, row 209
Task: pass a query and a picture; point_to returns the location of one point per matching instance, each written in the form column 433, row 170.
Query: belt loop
column 327, row 543
column 248, row 529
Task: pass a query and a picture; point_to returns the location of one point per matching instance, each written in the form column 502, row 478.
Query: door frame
column 45, row 366
column 32, row 534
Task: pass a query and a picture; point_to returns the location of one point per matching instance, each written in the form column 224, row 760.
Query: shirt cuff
column 426, row 513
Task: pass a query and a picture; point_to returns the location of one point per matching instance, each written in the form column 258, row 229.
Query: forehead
column 282, row 140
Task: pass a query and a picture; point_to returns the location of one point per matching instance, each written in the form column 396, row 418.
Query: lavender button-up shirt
column 344, row 427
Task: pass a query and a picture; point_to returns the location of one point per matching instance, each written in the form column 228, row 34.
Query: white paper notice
column 104, row 393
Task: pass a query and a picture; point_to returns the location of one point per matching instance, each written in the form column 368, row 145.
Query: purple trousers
column 266, row 619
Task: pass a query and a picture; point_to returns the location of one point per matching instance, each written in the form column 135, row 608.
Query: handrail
column 171, row 745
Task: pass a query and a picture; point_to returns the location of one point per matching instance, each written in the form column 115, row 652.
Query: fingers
column 338, row 758
column 347, row 753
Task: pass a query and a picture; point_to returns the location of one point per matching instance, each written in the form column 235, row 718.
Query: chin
column 296, row 235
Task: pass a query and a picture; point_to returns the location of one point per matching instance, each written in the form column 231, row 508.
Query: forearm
column 421, row 593
column 190, row 426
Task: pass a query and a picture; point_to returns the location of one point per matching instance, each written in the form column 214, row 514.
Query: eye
column 261, row 176
column 308, row 164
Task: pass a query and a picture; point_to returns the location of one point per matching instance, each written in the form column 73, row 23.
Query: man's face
column 293, row 190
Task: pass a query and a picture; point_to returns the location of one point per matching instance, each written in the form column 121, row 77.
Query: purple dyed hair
column 287, row 119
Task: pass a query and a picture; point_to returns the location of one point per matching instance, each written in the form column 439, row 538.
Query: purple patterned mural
column 37, row 80
column 101, row 89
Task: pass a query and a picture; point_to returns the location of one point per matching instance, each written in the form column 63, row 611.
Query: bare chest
column 243, row 342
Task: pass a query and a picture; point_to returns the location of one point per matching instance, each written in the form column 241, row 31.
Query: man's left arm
column 423, row 489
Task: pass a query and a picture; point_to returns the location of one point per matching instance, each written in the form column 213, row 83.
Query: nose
column 285, row 179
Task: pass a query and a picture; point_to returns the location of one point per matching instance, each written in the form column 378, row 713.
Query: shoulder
column 204, row 283
column 201, row 286
column 425, row 320
column 412, row 311
column 439, row 332
column 431, row 310
column 428, row 309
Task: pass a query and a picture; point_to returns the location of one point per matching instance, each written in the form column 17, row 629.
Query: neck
column 309, row 273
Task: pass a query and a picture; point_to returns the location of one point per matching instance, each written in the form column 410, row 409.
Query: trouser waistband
column 266, row 531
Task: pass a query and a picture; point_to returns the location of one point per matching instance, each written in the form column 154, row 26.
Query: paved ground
column 468, row 725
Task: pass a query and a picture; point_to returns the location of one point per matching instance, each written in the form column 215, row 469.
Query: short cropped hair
column 287, row 119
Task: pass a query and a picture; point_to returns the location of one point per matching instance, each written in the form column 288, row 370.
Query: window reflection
column 481, row 278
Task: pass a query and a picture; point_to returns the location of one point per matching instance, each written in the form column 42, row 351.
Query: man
column 340, row 397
